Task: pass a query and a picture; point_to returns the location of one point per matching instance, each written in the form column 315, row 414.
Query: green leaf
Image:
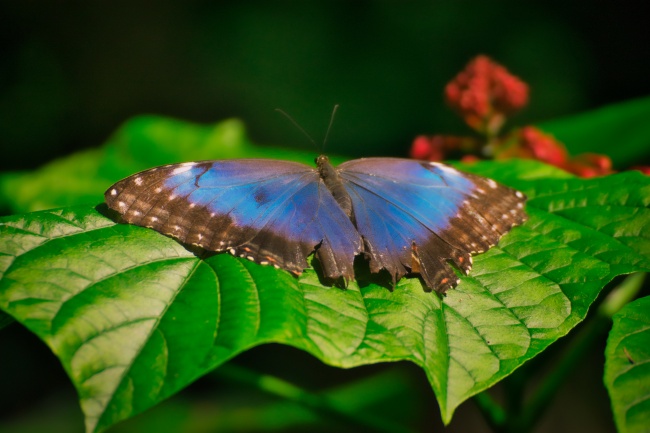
column 627, row 367
column 134, row 317
column 65, row 182
column 142, row 142
column 620, row 131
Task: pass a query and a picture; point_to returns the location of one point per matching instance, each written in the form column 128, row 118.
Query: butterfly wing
column 418, row 216
column 271, row 212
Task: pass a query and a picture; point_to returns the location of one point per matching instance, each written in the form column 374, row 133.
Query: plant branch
column 492, row 411
column 320, row 404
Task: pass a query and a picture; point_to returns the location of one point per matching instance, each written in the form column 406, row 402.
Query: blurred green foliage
column 71, row 73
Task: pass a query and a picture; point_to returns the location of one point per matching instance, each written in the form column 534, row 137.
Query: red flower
column 543, row 147
column 470, row 159
column 484, row 93
column 423, row 148
column 590, row 165
column 438, row 147
column 530, row 142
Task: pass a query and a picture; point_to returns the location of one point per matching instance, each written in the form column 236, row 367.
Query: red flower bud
column 590, row 165
column 530, row 142
column 470, row 159
column 484, row 93
column 421, row 148
column 543, row 147
column 438, row 147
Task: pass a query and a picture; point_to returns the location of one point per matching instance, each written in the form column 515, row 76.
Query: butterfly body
column 403, row 215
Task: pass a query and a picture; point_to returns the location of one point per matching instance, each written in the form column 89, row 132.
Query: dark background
column 71, row 72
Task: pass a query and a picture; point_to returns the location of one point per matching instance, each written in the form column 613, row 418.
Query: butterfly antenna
column 300, row 128
column 327, row 134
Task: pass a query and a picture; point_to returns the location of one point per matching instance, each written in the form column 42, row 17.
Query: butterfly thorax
column 334, row 184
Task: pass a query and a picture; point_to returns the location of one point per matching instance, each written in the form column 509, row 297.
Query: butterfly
column 405, row 216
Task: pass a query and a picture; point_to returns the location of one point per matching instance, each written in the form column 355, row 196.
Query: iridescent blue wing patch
column 417, row 216
column 271, row 212
column 403, row 215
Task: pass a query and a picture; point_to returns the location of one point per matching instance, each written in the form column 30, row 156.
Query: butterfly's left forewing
column 419, row 216
column 271, row 212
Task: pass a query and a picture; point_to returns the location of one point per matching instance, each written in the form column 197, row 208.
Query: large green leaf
column 627, row 367
column 134, row 317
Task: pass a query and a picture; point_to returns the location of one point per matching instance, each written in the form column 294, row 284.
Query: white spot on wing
column 492, row 183
column 157, row 190
column 121, row 204
column 447, row 169
column 138, row 181
column 519, row 194
column 154, row 219
column 113, row 191
column 183, row 168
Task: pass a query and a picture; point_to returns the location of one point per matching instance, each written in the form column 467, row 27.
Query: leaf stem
column 492, row 411
column 5, row 319
column 318, row 403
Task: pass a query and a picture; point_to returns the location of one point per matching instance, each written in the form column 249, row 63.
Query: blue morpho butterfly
column 404, row 215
